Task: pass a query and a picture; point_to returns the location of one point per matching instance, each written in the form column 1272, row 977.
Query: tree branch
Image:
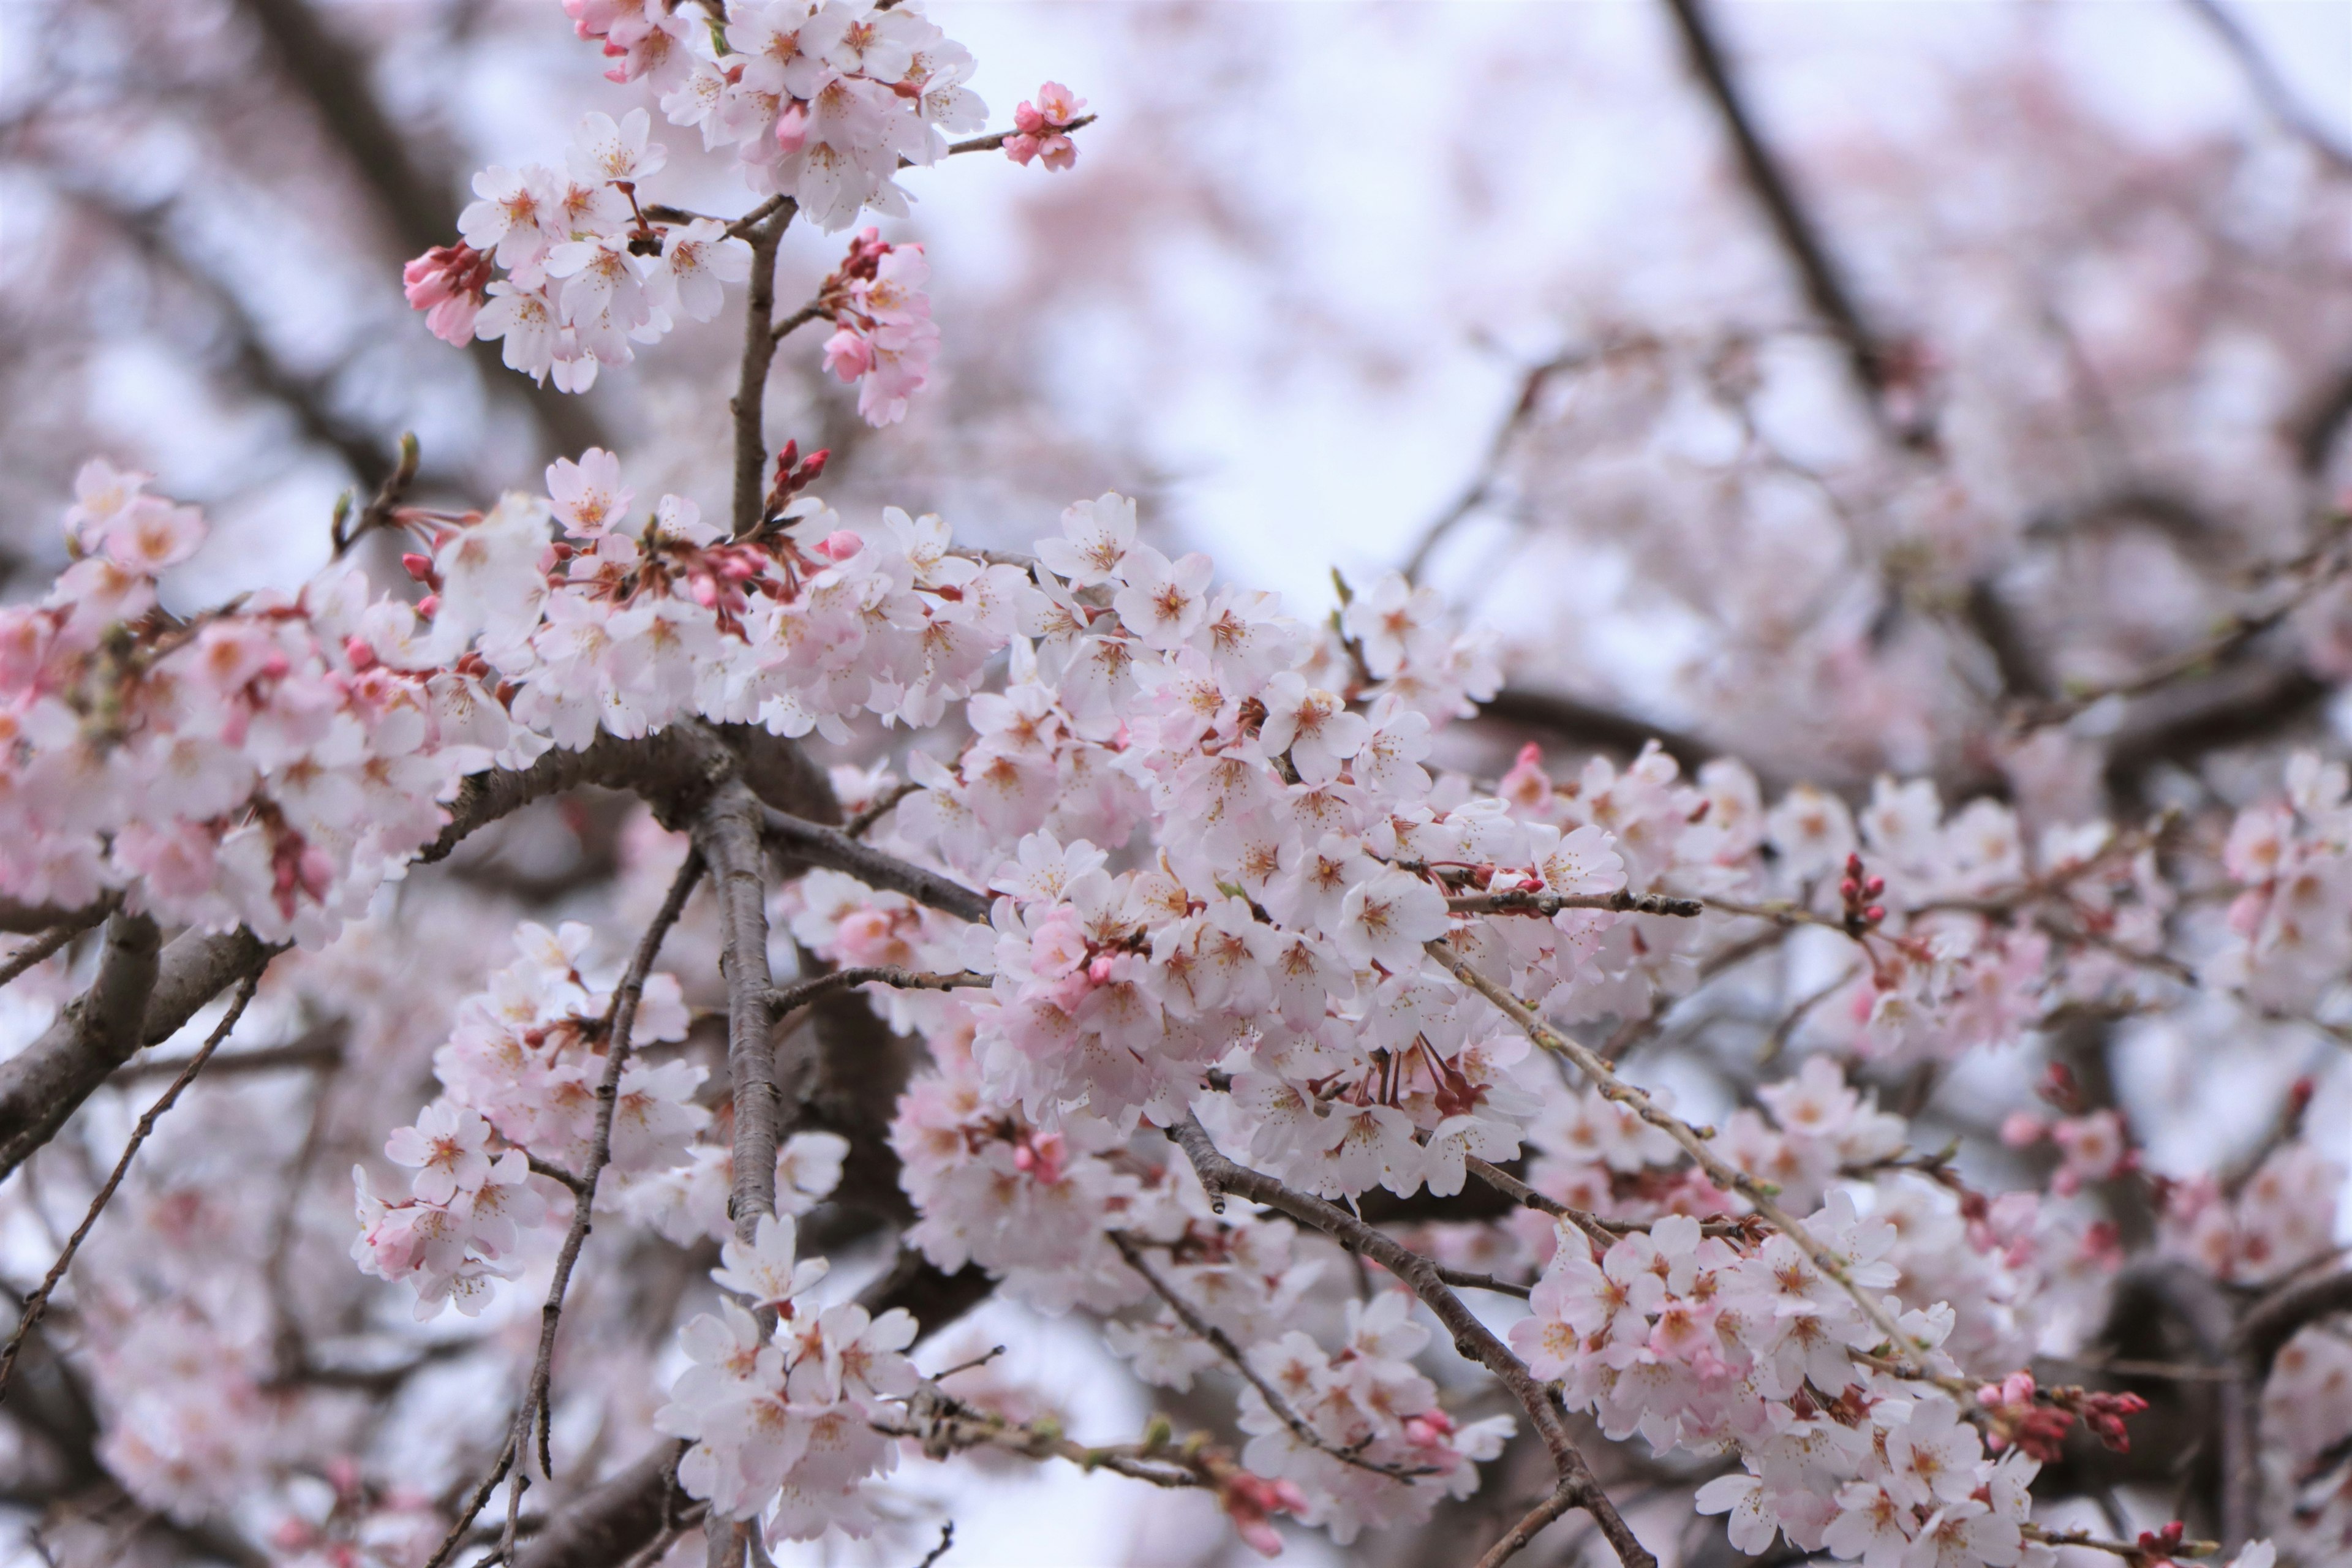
column 833, row 848
column 727, row 835
column 1471, row 1337
column 1222, row 1343
column 1824, row 284
column 1760, row 1195
column 619, row 1019
column 759, row 352
column 1562, row 1500
column 56, row 937
column 2277, row 98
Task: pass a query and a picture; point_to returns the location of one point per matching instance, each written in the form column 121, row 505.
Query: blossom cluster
column 260, row 764
column 518, row 1079
column 586, row 274
column 824, row 104
column 798, row 628
column 1268, row 968
column 781, row 1421
column 520, row 1075
column 883, row 336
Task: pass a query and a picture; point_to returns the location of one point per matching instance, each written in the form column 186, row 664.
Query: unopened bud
column 417, row 566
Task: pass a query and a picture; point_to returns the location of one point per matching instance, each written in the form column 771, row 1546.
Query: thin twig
column 1561, row 1501
column 788, row 325
column 1471, row 1338
column 378, row 513
column 996, row 139
column 1222, row 1343
column 1760, row 1195
column 1528, row 901
column 38, row 1301
column 620, row 1018
column 2277, row 98
column 947, row 1539
column 859, row 825
column 791, row 998
column 1600, row 1229
column 835, row 847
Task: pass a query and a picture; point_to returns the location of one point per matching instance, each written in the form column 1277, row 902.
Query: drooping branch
column 619, row 1021
column 38, row 1301
column 1471, row 1338
column 1222, row 1343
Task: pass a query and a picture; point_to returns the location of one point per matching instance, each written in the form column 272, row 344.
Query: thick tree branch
column 97, row 1032
column 727, row 835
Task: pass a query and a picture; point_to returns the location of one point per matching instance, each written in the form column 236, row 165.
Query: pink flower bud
column 848, row 355
column 792, row 127
column 839, row 545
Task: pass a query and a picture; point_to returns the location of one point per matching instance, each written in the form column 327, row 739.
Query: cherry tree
column 1463, row 1105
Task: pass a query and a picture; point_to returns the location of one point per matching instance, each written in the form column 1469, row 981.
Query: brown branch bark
column 1562, row 1501
column 97, row 1032
column 750, row 406
column 823, row 845
column 727, row 835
